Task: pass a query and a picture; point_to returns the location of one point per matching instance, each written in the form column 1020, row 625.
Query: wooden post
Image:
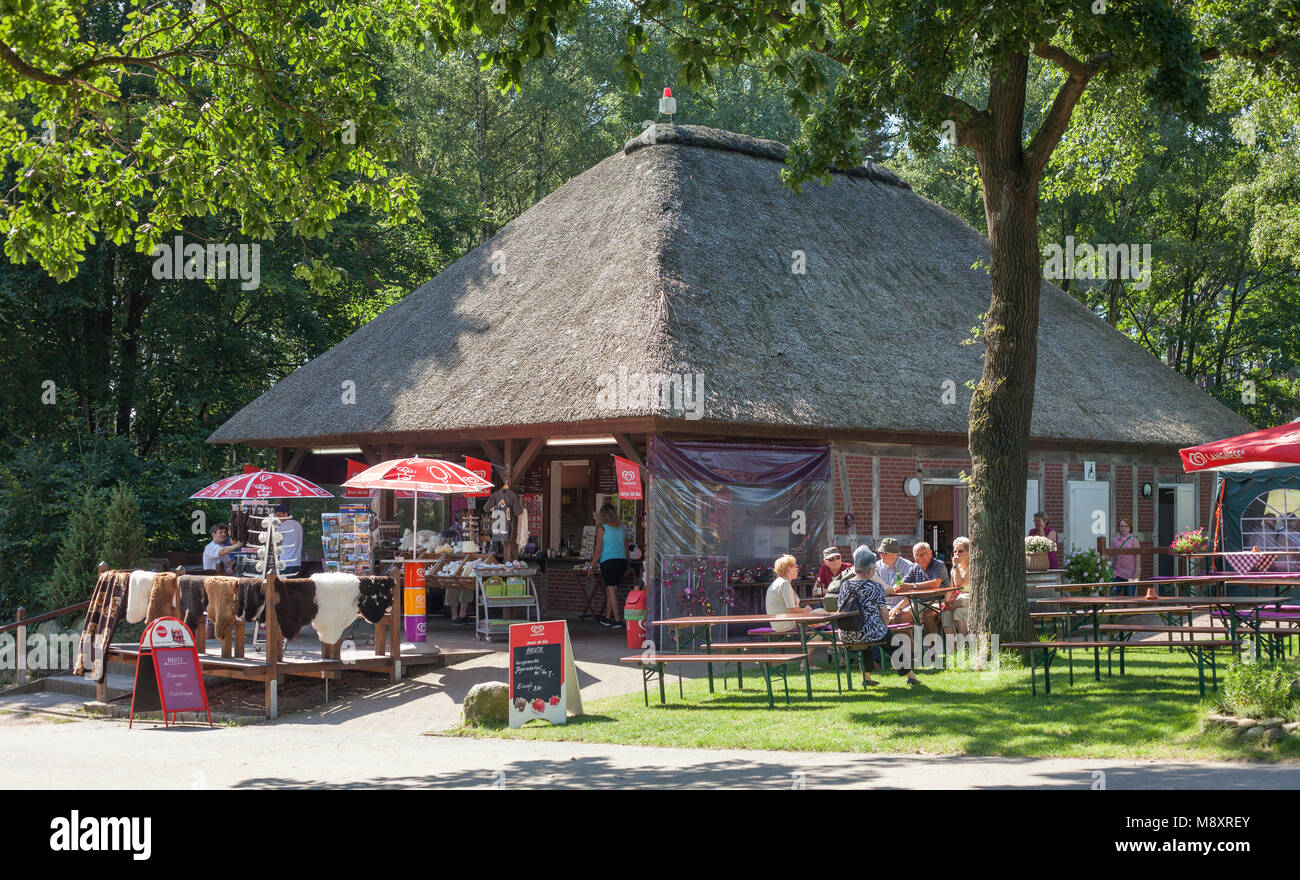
column 395, row 630
column 21, row 657
column 273, row 646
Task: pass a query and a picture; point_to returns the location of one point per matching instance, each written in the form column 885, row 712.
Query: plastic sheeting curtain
column 747, row 503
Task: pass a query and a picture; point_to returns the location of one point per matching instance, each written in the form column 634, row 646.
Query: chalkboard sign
column 167, row 672
column 543, row 680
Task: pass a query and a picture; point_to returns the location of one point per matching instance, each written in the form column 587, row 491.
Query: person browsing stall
column 216, row 555
column 610, row 556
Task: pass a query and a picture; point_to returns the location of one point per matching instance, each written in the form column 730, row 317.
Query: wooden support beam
column 629, row 450
column 525, row 460
column 371, row 454
column 508, row 469
column 296, row 460
column 493, row 455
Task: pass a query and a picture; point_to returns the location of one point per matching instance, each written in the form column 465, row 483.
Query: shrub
column 124, row 542
column 1087, row 567
column 1255, row 690
column 76, row 566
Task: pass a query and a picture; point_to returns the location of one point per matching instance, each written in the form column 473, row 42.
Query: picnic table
column 1092, row 607
column 1279, row 584
column 803, row 622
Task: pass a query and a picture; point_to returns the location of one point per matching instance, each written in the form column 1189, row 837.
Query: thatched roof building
column 833, row 326
column 683, row 256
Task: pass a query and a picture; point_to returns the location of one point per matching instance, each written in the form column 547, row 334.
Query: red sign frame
column 155, row 653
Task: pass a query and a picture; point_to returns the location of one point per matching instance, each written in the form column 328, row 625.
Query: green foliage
column 124, row 539
column 1256, row 690
column 123, row 120
column 77, row 561
column 1087, row 567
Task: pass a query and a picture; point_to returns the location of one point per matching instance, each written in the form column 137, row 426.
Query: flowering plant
column 1190, row 541
column 1038, row 544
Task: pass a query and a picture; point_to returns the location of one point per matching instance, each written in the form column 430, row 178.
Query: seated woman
column 781, row 597
column 865, row 595
column 956, row 605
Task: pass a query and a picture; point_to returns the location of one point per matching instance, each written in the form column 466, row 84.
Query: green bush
column 1256, row 690
column 1087, row 567
column 124, row 542
column 76, row 566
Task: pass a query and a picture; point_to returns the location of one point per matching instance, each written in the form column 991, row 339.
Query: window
column 1272, row 522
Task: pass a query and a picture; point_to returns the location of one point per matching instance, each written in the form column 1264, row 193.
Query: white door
column 1184, row 507
column 1031, row 504
column 1089, row 515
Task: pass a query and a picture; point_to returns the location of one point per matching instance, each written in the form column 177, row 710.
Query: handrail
column 41, row 618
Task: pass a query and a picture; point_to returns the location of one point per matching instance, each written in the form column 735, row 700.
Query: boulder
column 1256, row 732
column 1273, row 734
column 1272, row 722
column 1246, row 723
column 487, row 703
column 1292, row 727
column 1216, row 718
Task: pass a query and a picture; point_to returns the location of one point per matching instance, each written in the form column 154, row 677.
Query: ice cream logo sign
column 543, row 680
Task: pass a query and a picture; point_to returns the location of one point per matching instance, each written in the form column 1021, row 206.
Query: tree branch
column 1050, row 132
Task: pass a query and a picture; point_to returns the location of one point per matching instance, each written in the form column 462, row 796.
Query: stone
column 1293, row 727
column 1255, row 732
column 487, row 703
column 1245, row 723
column 1214, row 718
column 1271, row 722
column 1273, row 734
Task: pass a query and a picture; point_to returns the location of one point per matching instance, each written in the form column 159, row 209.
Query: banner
column 480, row 468
column 354, row 468
column 629, row 479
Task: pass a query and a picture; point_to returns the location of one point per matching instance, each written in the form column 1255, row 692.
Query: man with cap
column 866, row 594
column 833, row 568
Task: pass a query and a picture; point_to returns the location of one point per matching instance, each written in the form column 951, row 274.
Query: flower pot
column 1036, row 561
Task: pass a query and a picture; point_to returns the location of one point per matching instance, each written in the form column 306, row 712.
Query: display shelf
column 485, row 625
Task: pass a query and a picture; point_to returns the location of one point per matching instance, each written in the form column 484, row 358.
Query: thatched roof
column 676, row 257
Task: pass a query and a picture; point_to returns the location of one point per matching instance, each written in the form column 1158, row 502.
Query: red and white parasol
column 261, row 484
column 1274, row 447
column 420, row 475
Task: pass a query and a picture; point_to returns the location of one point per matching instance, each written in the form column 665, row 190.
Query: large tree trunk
column 1004, row 398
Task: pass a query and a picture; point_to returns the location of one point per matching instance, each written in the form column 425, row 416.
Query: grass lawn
column 1154, row 711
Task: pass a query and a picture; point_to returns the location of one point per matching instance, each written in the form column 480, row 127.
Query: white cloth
column 291, row 543
column 781, row 597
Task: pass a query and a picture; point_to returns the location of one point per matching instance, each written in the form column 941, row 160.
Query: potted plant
column 1187, row 542
column 1087, row 567
column 1036, row 549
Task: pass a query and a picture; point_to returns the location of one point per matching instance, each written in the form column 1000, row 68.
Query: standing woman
column 610, row 555
column 1044, row 528
column 1125, row 567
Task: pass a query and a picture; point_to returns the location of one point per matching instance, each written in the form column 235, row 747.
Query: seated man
column 892, row 570
column 927, row 573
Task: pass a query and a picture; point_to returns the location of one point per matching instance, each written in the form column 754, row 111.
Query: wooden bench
column 1196, row 648
column 652, row 666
